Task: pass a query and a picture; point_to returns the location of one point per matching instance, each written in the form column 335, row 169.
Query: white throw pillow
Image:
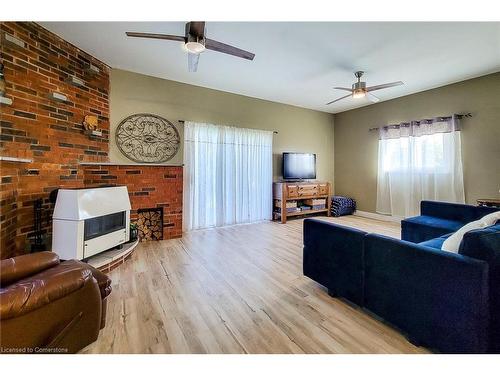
column 491, row 219
column 452, row 243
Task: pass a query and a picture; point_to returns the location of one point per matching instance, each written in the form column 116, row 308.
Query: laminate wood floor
column 237, row 289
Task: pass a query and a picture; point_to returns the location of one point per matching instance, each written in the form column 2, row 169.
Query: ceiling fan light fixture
column 194, row 47
column 359, row 93
column 359, row 89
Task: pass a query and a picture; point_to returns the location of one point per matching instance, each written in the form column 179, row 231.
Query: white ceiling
column 299, row 63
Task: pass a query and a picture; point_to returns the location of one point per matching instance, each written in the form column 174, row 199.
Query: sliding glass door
column 227, row 175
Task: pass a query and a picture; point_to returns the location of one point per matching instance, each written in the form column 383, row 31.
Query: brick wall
column 51, row 134
column 48, row 132
column 8, row 208
column 148, row 186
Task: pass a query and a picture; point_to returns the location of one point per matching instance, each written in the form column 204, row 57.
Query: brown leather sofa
column 48, row 306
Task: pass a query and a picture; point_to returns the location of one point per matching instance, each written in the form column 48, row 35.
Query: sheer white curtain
column 227, row 175
column 421, row 160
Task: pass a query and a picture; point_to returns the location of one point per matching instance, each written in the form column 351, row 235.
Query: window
column 427, row 151
column 418, row 161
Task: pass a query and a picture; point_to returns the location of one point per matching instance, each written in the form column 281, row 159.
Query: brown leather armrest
column 18, row 268
column 41, row 289
column 103, row 281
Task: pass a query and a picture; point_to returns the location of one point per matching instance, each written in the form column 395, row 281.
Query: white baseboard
column 375, row 216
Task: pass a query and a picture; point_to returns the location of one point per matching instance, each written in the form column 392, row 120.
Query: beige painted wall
column 300, row 130
column 356, row 148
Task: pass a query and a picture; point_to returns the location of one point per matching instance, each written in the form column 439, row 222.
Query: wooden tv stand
column 284, row 192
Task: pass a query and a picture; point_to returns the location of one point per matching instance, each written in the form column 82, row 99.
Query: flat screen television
column 299, row 166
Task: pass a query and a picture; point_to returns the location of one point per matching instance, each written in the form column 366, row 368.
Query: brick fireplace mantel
column 131, row 164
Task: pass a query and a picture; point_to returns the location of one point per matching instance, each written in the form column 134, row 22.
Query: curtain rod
column 458, row 115
column 183, row 121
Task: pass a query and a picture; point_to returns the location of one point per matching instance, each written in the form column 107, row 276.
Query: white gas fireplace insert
column 87, row 222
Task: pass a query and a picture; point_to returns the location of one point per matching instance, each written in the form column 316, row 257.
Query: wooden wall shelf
column 13, row 159
column 285, row 193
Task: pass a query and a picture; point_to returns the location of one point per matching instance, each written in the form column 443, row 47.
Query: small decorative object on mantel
column 147, row 138
column 90, row 126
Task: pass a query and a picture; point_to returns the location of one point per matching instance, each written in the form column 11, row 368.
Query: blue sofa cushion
column 333, row 257
column 438, row 218
column 484, row 244
column 436, row 243
column 436, row 222
column 422, row 228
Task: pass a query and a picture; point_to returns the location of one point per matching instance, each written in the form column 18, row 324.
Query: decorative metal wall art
column 147, row 138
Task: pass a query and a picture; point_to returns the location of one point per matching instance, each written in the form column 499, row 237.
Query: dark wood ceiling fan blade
column 336, row 100
column 226, row 48
column 193, row 59
column 384, row 86
column 195, row 28
column 156, row 36
column 343, row 88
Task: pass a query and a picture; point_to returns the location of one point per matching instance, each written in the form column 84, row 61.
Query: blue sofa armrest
column 454, row 211
column 439, row 299
column 484, row 244
column 333, row 257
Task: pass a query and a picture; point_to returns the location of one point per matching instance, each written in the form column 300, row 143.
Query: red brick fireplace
column 42, row 138
column 149, row 186
column 43, row 142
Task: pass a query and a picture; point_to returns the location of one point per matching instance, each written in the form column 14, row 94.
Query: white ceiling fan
column 359, row 89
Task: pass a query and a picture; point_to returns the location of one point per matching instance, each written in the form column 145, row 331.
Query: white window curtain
column 421, row 160
column 227, row 175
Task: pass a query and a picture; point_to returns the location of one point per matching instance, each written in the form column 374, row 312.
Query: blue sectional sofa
column 445, row 301
column 439, row 218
